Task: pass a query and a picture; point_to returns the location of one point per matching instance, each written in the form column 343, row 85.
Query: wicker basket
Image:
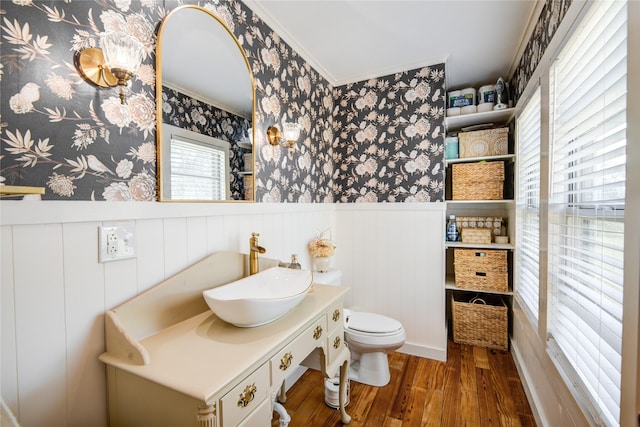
column 476, row 235
column 482, row 321
column 478, row 181
column 481, row 269
column 482, row 143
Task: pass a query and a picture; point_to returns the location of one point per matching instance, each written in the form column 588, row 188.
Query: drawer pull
column 247, row 396
column 336, row 343
column 336, row 315
column 317, row 333
column 285, row 362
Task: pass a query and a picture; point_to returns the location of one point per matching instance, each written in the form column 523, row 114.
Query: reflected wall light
column 114, row 64
column 287, row 138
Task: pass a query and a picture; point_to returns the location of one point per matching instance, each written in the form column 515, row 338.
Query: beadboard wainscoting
column 54, row 291
column 392, row 257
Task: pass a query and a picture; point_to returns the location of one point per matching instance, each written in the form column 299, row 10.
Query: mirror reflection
column 205, row 97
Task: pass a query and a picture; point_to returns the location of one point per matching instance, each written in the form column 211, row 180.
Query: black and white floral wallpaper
column 371, row 141
column 550, row 17
column 195, row 115
column 389, row 140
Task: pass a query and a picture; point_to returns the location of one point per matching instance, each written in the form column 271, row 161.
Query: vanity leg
column 282, row 398
column 344, row 373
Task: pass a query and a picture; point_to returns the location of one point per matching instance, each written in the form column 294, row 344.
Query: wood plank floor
column 475, row 387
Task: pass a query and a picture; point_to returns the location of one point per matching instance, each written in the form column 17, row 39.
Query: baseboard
column 525, row 379
column 439, row 354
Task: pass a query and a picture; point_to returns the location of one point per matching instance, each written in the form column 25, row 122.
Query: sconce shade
column 114, row 64
column 287, row 138
column 122, row 52
column 291, row 132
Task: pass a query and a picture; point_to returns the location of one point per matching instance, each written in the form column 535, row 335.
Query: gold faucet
column 254, row 250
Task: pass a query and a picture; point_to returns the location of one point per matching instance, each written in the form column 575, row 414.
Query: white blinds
column 586, row 208
column 528, row 206
column 198, row 171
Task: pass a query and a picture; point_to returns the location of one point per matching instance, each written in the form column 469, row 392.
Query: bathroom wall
column 389, row 143
column 80, row 143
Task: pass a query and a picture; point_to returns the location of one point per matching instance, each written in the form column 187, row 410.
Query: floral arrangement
column 320, row 246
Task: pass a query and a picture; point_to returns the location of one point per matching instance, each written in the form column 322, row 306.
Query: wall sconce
column 286, row 139
column 114, row 64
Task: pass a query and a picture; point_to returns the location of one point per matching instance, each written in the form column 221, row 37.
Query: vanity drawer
column 295, row 352
column 261, row 416
column 335, row 316
column 335, row 344
column 245, row 397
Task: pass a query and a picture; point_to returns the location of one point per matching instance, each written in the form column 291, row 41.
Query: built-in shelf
column 19, row 190
column 479, row 159
column 455, row 123
column 507, row 246
column 450, row 284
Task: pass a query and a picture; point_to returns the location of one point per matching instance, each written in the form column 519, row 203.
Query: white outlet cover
column 116, row 242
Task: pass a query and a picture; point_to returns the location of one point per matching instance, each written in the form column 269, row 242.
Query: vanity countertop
column 204, row 355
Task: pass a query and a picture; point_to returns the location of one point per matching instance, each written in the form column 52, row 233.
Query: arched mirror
column 205, row 110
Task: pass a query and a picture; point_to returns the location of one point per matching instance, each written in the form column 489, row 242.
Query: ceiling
column 350, row 41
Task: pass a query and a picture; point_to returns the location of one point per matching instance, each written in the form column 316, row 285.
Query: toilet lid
column 371, row 323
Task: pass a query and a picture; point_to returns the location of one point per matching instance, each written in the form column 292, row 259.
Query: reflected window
column 199, row 166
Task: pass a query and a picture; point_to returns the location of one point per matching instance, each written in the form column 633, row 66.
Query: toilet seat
column 371, row 323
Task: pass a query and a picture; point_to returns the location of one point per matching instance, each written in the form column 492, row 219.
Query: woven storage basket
column 481, row 269
column 482, row 322
column 481, row 143
column 477, row 181
column 476, row 235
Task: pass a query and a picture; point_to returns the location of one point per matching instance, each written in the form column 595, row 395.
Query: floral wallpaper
column 550, row 17
column 190, row 113
column 78, row 141
column 389, row 138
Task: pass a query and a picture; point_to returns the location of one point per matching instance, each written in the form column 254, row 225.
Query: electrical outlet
column 116, row 242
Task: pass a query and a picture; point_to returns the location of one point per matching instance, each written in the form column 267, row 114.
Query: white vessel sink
column 261, row 298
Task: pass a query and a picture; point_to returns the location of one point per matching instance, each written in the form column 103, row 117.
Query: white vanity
column 172, row 362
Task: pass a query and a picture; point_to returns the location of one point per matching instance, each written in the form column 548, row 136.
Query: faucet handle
column 254, row 234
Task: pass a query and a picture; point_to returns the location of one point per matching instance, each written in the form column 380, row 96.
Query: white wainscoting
column 392, row 257
column 54, row 292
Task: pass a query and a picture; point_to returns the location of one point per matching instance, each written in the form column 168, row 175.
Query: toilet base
column 370, row 368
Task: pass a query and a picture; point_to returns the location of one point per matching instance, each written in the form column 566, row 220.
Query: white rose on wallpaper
column 146, row 74
column 61, row 185
column 271, row 105
column 123, row 5
column 142, row 111
column 117, row 192
column 411, row 166
column 271, row 58
column 60, row 86
column 139, row 27
column 305, row 197
column 304, row 162
column 124, row 168
column 113, row 21
column 272, row 196
column 304, row 83
column 22, row 102
column 423, row 126
column 143, row 187
column 422, row 90
column 116, row 113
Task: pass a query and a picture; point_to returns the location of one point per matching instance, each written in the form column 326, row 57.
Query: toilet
column 369, row 336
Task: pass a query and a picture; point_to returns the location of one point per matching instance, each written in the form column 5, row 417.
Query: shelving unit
column 504, row 208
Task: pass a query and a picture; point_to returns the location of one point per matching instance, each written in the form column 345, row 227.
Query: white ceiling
column 350, row 41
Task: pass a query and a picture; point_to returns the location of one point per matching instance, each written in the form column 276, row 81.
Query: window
column 586, row 208
column 198, row 165
column 528, row 206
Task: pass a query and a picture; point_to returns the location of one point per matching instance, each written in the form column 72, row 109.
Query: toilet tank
column 331, row 277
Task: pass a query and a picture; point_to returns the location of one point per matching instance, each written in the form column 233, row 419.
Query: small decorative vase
column 322, row 263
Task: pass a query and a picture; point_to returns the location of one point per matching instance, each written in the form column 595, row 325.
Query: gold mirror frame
column 159, row 122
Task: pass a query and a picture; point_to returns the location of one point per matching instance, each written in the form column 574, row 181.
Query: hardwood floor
column 475, row 387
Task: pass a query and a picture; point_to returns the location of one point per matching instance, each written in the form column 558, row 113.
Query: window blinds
column 198, row 171
column 586, row 208
column 528, row 206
